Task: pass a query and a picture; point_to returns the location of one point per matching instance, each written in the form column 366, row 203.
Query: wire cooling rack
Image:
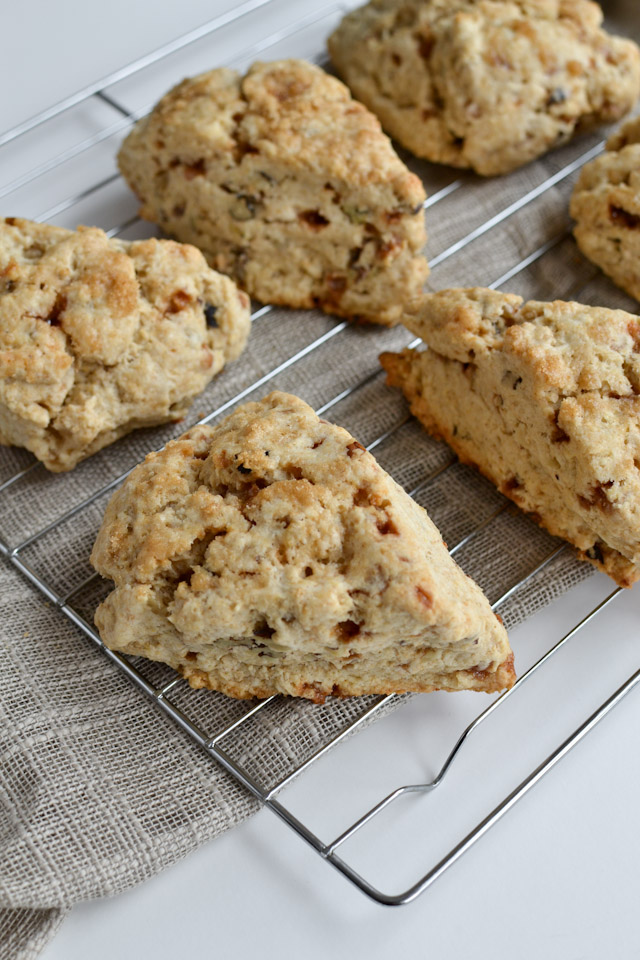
column 82, row 133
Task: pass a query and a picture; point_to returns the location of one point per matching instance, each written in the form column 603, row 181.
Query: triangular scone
column 285, row 183
column 544, row 399
column 606, row 205
column 101, row 336
column 486, row 84
column 271, row 554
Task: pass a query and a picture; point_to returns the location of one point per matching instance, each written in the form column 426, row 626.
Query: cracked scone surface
column 286, row 184
column 486, row 84
column 544, row 399
column 272, row 554
column 606, row 206
column 101, row 336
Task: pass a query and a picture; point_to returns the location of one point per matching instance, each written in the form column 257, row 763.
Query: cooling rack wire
column 66, row 600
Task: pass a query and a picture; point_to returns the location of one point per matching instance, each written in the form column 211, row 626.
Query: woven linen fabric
column 98, row 789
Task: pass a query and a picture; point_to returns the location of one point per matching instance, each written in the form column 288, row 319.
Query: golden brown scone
column 543, row 398
column 271, row 554
column 101, row 336
column 486, row 84
column 606, row 205
column 286, row 184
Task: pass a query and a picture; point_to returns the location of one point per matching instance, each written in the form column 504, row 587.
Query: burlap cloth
column 98, row 789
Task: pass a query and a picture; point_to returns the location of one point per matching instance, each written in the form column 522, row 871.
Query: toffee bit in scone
column 289, row 581
column 565, row 446
column 485, row 84
column 620, row 216
column 288, row 185
column 101, row 336
column 606, row 207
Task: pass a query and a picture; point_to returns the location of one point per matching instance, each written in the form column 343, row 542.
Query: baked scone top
column 626, row 135
column 617, row 168
column 487, row 84
column 277, row 539
column 98, row 334
column 569, row 348
column 606, row 205
column 288, row 185
column 289, row 110
column 565, row 378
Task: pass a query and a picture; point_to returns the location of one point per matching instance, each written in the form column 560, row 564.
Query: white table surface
column 558, row 877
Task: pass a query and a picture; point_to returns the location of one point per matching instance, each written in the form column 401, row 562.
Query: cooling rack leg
column 496, row 814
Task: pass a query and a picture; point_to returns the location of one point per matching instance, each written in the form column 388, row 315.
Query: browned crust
column 266, row 494
column 437, row 75
column 100, row 336
column 491, row 680
column 285, row 137
column 398, row 367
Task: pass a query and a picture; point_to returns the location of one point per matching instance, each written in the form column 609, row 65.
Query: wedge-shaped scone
column 101, row 336
column 271, row 554
column 286, row 184
column 486, row 84
column 543, row 398
column 606, row 206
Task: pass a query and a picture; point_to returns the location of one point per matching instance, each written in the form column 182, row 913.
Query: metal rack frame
column 213, row 745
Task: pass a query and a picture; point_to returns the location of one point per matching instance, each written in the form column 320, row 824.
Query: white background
column 558, row 877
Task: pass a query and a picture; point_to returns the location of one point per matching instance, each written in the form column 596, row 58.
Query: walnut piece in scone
column 486, row 84
column 288, row 185
column 606, row 206
column 272, row 554
column 544, row 399
column 101, row 336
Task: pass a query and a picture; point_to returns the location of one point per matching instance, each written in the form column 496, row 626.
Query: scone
column 606, row 206
column 271, row 554
column 486, row 84
column 285, row 183
column 101, row 336
column 544, row 399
